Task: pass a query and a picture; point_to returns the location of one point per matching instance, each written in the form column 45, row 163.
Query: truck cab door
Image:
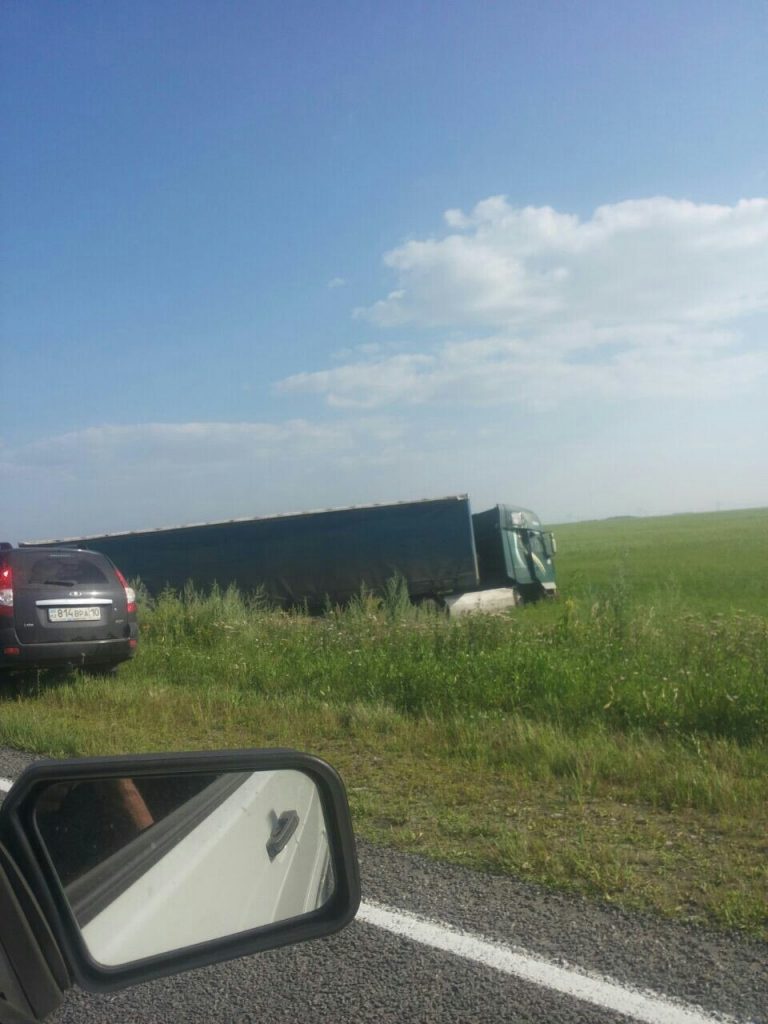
column 516, row 554
column 541, row 562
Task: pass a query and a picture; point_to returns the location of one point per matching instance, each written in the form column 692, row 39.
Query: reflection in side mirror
column 156, row 863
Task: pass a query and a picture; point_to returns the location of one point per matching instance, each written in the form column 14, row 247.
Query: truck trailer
column 489, row 560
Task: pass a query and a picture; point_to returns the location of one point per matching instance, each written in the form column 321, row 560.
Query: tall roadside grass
column 659, row 670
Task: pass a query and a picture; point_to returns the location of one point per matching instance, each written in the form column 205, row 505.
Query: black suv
column 64, row 607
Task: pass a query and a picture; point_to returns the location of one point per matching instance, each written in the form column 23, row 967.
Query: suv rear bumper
column 91, row 652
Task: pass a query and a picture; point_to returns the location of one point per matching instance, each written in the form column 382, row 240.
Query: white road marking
column 642, row 1005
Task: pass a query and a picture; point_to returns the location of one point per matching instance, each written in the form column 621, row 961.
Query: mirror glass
column 160, row 862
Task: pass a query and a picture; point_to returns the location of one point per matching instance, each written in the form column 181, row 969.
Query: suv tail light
column 130, row 593
column 6, row 589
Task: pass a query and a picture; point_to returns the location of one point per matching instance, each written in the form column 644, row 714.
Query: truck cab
column 513, row 550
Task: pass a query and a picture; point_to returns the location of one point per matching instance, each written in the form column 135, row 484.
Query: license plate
column 74, row 614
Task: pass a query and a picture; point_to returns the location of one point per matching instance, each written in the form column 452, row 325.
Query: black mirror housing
column 34, row 855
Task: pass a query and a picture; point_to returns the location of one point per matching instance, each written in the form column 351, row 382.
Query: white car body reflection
column 220, row 878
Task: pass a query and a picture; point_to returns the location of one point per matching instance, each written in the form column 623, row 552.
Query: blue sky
column 266, row 257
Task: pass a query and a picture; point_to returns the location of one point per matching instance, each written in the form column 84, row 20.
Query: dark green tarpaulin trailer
column 310, row 557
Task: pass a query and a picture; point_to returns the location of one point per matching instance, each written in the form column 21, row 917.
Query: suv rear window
column 67, row 567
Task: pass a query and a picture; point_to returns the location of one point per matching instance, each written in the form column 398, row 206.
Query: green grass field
column 612, row 742
column 711, row 562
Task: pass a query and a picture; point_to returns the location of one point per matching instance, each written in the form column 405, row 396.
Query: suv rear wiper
column 59, row 583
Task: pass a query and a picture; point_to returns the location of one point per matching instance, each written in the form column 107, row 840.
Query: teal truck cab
column 514, row 550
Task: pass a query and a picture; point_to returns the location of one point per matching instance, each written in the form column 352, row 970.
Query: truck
column 463, row 561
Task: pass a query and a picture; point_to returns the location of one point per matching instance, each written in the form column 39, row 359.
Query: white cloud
column 130, row 476
column 168, row 450
column 363, row 385
column 646, row 297
column 175, row 443
column 336, row 282
column 498, row 370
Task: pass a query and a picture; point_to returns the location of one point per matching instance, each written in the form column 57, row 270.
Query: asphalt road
column 368, row 974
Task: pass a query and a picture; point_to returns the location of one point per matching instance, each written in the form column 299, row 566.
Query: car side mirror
column 148, row 865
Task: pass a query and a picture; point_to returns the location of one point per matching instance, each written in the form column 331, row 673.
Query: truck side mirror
column 550, row 544
column 149, row 865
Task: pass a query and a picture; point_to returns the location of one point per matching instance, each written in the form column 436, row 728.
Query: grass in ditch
column 612, row 743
